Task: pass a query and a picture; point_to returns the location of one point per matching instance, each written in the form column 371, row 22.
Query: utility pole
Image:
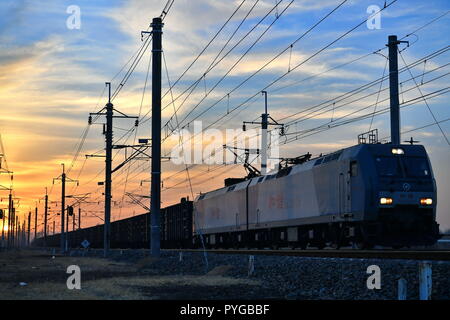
column 63, row 207
column 264, row 124
column 79, row 199
column 67, row 227
column 155, row 194
column 22, row 230
column 9, row 217
column 393, row 88
column 53, row 227
column 3, row 227
column 3, row 210
column 265, row 117
column 64, row 179
column 73, row 222
column 45, row 217
column 13, row 225
column 3, row 214
column 16, row 229
column 18, row 233
column 35, row 222
column 29, row 227
column 108, row 173
column 109, row 113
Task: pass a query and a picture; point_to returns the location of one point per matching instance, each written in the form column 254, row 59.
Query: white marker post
column 251, row 265
column 425, row 280
column 402, row 289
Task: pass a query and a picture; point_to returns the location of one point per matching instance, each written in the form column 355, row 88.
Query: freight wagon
column 134, row 232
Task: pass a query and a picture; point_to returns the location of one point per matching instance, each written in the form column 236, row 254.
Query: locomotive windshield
column 416, row 167
column 402, row 166
column 388, row 166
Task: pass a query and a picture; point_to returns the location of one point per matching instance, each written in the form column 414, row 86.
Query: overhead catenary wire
column 284, row 74
column 136, row 129
column 424, row 100
column 214, row 62
column 134, row 59
column 133, row 65
column 319, row 129
column 361, row 88
column 370, row 105
column 266, row 64
column 418, row 61
column 323, row 106
column 194, row 85
column 204, row 49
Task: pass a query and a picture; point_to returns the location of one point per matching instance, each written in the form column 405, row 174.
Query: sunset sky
column 52, row 77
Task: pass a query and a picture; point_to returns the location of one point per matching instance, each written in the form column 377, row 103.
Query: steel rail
column 435, row 255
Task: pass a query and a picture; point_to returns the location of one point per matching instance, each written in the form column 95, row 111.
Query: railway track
column 440, row 255
column 431, row 255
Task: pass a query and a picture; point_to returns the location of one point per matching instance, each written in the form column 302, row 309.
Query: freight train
column 364, row 195
column 133, row 232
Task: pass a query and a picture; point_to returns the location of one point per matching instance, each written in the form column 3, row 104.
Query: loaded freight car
column 176, row 225
column 134, row 232
column 131, row 232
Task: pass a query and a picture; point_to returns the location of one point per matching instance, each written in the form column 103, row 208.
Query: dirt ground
column 40, row 275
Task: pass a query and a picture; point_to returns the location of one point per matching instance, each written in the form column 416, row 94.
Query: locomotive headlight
column 397, row 151
column 426, row 201
column 386, row 201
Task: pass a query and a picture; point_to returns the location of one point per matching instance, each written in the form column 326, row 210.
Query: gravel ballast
column 290, row 277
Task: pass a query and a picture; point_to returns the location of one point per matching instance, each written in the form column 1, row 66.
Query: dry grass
column 104, row 279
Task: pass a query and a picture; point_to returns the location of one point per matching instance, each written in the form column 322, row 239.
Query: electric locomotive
column 364, row 195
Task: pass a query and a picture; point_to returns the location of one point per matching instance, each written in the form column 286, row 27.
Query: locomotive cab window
column 388, row 166
column 353, row 169
column 416, row 167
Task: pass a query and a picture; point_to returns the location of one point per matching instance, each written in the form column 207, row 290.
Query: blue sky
column 52, row 77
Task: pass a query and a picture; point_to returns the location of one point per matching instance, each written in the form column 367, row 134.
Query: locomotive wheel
column 338, row 239
column 335, row 245
column 360, row 242
column 359, row 245
column 320, row 246
column 362, row 245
